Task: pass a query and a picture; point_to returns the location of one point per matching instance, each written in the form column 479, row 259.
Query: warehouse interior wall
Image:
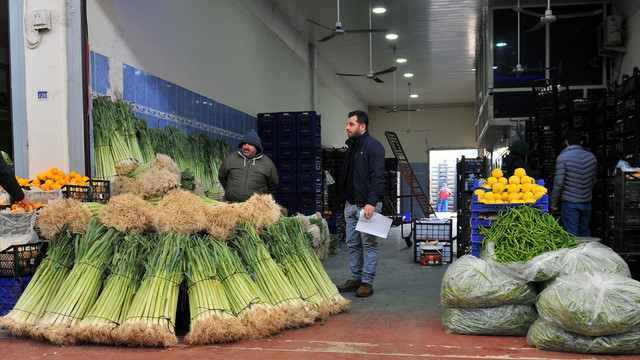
column 240, row 65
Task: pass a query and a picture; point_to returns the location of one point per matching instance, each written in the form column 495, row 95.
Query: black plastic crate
column 10, row 291
column 77, row 192
column 21, row 260
column 100, row 190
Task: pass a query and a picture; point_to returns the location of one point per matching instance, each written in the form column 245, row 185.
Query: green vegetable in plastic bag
column 545, row 336
column 592, row 304
column 475, row 283
column 506, row 320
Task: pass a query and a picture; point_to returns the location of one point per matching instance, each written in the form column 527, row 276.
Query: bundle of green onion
column 212, row 320
column 270, row 277
column 301, row 242
column 125, row 272
column 81, row 288
column 44, row 285
column 259, row 317
column 150, row 320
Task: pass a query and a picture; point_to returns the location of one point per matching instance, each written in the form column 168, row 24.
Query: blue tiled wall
column 164, row 103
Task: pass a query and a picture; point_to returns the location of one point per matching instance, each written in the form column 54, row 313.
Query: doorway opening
column 442, row 172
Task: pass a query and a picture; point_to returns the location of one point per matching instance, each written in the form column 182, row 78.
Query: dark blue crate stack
column 267, row 133
column 486, row 214
column 10, row 290
column 309, row 162
column 293, row 143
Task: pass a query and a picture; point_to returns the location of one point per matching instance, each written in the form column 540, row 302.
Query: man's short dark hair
column 362, row 117
column 574, row 137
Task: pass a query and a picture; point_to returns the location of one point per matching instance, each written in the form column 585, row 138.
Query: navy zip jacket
column 368, row 171
column 575, row 176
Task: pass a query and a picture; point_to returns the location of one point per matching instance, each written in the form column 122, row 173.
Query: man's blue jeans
column 443, row 205
column 575, row 218
column 363, row 248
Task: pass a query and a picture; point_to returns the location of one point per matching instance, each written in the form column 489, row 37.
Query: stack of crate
column 292, row 141
column 484, row 215
column 626, row 219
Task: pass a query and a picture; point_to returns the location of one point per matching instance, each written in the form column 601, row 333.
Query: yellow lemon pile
column 519, row 188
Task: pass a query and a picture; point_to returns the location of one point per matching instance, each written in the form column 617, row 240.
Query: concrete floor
column 401, row 320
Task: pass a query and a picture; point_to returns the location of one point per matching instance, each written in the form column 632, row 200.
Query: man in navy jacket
column 363, row 191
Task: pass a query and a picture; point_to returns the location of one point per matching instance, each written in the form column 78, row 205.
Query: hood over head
column 251, row 137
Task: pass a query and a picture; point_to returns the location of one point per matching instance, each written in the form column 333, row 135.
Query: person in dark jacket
column 573, row 184
column 363, row 192
column 247, row 171
column 516, row 159
column 10, row 185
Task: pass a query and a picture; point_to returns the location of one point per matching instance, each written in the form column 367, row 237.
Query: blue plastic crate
column 308, row 152
column 288, row 200
column 267, row 124
column 310, row 186
column 288, row 151
column 269, row 140
column 476, row 237
column 286, row 123
column 286, row 174
column 10, row 291
column 286, row 139
column 476, row 223
column 540, row 204
column 309, row 175
column 310, row 163
column 271, row 153
column 309, row 140
column 287, row 186
column 309, row 203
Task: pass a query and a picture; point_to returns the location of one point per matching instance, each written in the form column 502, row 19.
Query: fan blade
column 580, row 14
column 536, row 27
column 376, row 79
column 316, row 23
column 341, row 74
column 363, row 31
column 505, row 64
column 526, row 12
column 328, row 37
column 391, row 69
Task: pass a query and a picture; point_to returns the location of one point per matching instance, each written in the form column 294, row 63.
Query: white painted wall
column 46, row 70
column 631, row 26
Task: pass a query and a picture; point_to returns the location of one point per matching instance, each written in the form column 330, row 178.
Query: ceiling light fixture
column 408, row 75
column 501, row 44
column 401, row 60
column 391, row 36
column 379, row 10
column 413, row 96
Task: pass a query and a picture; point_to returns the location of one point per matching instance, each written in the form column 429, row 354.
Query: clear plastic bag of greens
column 591, row 257
column 471, row 282
column 545, row 336
column 592, row 304
column 506, row 320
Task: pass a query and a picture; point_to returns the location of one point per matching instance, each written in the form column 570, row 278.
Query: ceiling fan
column 548, row 17
column 371, row 75
column 519, row 68
column 395, row 109
column 338, row 30
column 409, row 130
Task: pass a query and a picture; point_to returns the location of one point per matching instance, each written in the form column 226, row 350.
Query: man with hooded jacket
column 247, row 171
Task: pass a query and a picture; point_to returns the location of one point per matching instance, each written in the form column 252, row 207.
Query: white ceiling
column 438, row 37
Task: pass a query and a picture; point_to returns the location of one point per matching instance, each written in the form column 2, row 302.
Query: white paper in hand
column 377, row 225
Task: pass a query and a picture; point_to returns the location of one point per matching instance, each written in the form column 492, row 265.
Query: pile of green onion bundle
column 151, row 318
column 288, row 243
column 212, row 320
column 247, row 301
column 81, row 288
column 44, row 285
column 271, row 279
column 125, row 272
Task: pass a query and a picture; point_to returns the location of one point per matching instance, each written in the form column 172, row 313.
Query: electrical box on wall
column 41, row 19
